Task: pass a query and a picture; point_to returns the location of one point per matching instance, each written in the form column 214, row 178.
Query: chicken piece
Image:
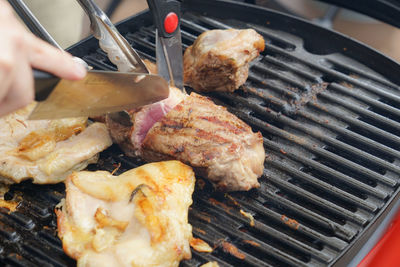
column 47, row 150
column 219, row 59
column 139, row 218
column 197, row 132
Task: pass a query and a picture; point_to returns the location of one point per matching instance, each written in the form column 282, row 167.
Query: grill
column 329, row 110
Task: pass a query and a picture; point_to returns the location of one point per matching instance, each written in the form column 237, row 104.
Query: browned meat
column 192, row 128
column 210, row 139
column 130, row 139
column 219, row 59
column 197, row 132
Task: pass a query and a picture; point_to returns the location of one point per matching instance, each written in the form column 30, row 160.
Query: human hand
column 20, row 51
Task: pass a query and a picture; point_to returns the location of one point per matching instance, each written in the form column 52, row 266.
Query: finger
column 21, row 92
column 10, row 48
column 48, row 58
column 6, row 69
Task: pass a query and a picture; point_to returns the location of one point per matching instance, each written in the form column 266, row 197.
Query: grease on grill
column 9, row 202
column 311, row 95
column 117, row 166
column 231, row 200
column 204, row 216
column 295, row 98
column 292, row 223
column 231, row 249
column 201, row 231
column 10, row 205
column 249, row 216
column 200, row 245
column 218, row 203
column 346, row 84
column 251, row 242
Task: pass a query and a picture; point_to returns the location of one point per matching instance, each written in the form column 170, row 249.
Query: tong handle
column 32, row 22
column 166, row 16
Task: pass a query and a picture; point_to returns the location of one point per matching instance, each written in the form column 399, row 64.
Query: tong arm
column 111, row 41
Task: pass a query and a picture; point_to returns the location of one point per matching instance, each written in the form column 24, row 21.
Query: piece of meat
column 139, row 218
column 47, row 150
column 148, row 115
column 218, row 144
column 197, row 132
column 131, row 139
column 219, row 59
column 209, row 138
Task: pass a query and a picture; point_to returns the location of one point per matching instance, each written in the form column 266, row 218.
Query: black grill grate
column 332, row 136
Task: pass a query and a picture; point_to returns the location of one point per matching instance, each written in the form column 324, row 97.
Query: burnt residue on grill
column 330, row 122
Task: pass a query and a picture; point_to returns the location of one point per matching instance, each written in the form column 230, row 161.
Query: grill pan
column 329, row 111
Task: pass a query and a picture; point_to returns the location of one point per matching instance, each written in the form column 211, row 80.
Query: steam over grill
column 331, row 128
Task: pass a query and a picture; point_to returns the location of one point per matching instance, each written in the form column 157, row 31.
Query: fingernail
column 80, row 70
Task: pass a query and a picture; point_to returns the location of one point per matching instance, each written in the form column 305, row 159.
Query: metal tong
column 111, row 41
column 168, row 41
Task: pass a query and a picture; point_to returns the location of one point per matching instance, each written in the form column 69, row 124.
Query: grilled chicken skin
column 139, row 218
column 47, row 150
column 219, row 59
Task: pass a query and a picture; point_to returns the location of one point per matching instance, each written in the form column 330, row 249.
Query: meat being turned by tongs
column 190, row 128
column 118, row 50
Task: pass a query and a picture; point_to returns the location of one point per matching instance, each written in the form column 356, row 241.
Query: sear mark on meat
column 210, row 139
column 216, row 143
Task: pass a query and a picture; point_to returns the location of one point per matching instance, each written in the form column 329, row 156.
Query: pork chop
column 219, row 145
column 219, row 59
column 199, row 133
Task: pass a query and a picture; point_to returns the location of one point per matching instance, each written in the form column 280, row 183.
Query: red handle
column 387, row 251
column 166, row 16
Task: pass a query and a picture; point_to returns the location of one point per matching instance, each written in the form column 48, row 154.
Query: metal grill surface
column 331, row 129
